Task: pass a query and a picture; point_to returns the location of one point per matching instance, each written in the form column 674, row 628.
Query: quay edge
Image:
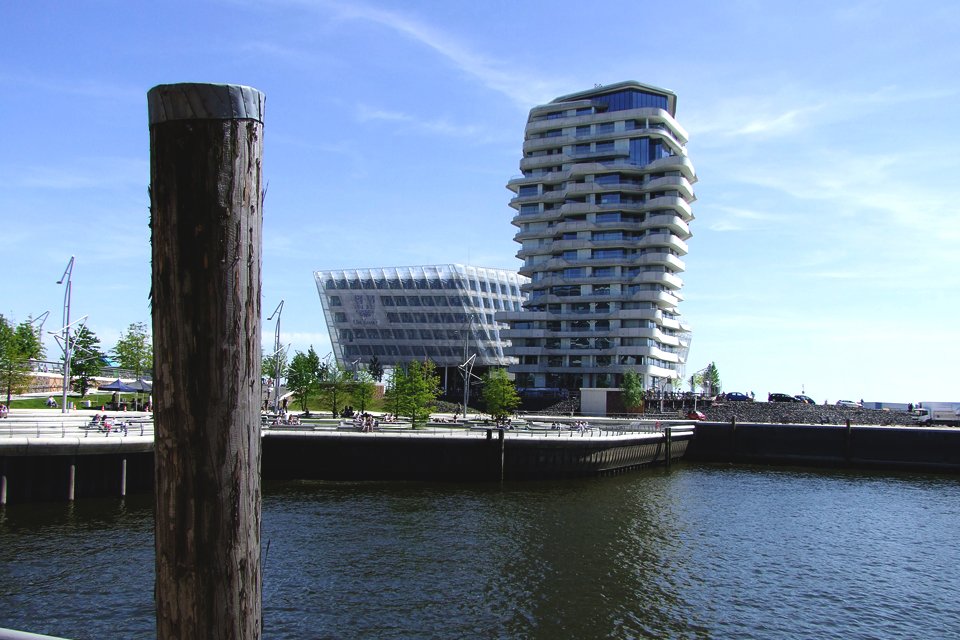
column 34, row 469
column 926, row 449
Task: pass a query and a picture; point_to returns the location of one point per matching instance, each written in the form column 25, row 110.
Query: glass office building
column 444, row 313
column 603, row 212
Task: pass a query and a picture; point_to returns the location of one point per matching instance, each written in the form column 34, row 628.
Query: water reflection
column 694, row 552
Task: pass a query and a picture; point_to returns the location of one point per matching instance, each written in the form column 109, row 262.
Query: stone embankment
column 799, row 413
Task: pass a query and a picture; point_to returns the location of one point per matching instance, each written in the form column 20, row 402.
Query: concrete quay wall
column 934, row 449
column 495, row 455
column 70, row 468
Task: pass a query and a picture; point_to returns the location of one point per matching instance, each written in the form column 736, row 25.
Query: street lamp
column 467, row 370
column 276, row 345
column 68, row 276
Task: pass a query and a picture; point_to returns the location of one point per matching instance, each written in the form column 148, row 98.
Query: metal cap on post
column 200, row 101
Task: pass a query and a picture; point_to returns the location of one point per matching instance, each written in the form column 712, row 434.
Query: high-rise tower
column 603, row 211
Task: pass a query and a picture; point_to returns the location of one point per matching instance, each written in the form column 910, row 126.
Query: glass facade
column 443, row 312
column 603, row 251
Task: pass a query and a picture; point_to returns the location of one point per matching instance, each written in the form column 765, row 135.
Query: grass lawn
column 96, row 400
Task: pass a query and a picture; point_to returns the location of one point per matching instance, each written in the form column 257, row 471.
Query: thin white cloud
column 793, row 111
column 289, row 55
column 413, row 124
column 726, row 218
column 497, row 75
column 777, row 124
column 82, row 173
column 74, row 86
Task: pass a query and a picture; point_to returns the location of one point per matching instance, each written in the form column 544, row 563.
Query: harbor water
column 695, row 551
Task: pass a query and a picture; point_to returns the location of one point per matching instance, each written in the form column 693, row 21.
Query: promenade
column 49, row 456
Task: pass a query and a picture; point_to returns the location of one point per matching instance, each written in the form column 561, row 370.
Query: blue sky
column 824, row 257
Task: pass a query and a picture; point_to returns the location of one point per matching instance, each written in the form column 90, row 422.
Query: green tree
column 376, row 369
column 711, row 379
column 414, row 390
column 394, row 393
column 707, row 379
column 14, row 358
column 29, row 341
column 631, row 388
column 86, row 359
column 274, row 366
column 134, row 350
column 500, row 397
column 303, row 378
column 363, row 389
column 335, row 386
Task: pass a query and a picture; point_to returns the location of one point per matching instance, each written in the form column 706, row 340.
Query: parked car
column 780, row 397
column 736, row 396
column 806, row 399
column 847, row 403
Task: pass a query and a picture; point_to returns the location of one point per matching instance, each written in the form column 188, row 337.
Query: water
column 694, row 552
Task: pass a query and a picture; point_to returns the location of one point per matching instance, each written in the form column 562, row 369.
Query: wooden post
column 72, row 480
column 206, row 145
column 668, row 440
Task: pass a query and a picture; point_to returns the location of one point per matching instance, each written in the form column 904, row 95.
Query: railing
column 480, row 432
column 73, row 429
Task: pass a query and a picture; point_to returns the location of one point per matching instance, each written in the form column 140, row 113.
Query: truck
column 943, row 414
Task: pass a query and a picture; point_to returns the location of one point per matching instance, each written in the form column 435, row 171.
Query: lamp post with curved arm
column 68, row 276
column 276, row 370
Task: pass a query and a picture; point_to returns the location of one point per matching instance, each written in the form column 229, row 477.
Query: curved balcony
column 532, row 234
column 661, row 298
column 639, row 314
column 681, row 206
column 672, row 341
column 537, row 162
column 663, row 240
column 681, row 163
column 660, row 258
column 674, row 223
column 659, row 277
column 539, row 144
column 636, row 332
column 677, row 183
column 539, row 216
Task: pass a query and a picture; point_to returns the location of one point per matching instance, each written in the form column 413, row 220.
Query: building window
column 565, row 290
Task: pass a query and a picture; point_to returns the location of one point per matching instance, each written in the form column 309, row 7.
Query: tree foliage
column 134, row 349
column 363, row 389
column 28, row 340
column 500, row 396
column 413, row 391
column 376, row 369
column 274, row 366
column 335, row 387
column 631, row 388
column 15, row 355
column 708, row 380
column 86, row 359
column 303, row 377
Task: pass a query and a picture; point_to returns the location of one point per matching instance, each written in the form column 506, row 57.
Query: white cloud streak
column 494, row 74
